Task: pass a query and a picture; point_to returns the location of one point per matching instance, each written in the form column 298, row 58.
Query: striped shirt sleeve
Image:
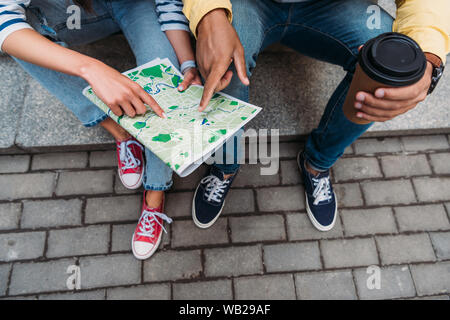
column 170, row 15
column 12, row 18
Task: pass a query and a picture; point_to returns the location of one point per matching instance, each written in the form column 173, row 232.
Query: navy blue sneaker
column 321, row 204
column 209, row 198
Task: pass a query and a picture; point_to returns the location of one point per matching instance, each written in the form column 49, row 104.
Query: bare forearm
column 117, row 91
column 181, row 43
column 30, row 46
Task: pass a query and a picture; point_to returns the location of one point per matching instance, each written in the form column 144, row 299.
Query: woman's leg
column 119, row 133
column 49, row 18
column 139, row 23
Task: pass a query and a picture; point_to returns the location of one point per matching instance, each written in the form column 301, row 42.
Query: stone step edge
column 16, row 149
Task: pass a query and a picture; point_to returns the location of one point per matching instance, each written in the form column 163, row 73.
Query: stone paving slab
column 334, row 285
column 280, row 287
column 262, row 247
column 396, row 282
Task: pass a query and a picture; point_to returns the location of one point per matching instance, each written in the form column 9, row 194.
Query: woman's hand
column 118, row 92
column 191, row 76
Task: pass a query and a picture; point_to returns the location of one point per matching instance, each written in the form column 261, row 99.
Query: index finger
column 148, row 99
column 397, row 94
column 212, row 82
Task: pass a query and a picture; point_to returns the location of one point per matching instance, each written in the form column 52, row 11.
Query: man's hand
column 218, row 45
column 388, row 103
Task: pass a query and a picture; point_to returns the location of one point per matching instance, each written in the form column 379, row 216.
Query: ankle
column 227, row 176
column 311, row 170
column 122, row 136
column 153, row 198
column 119, row 133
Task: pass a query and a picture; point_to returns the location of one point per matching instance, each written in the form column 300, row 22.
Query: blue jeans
column 327, row 30
column 138, row 22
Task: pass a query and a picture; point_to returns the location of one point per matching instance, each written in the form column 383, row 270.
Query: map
column 186, row 137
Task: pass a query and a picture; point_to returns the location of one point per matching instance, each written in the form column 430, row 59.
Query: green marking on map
column 244, row 118
column 234, row 103
column 213, row 139
column 152, row 71
column 177, row 166
column 139, row 125
column 222, row 131
column 176, row 80
column 162, row 137
column 133, row 74
column 119, row 118
column 173, row 107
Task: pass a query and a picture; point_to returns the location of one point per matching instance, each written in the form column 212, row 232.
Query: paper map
column 186, row 137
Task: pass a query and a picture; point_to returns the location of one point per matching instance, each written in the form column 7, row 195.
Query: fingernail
column 360, row 97
column 358, row 105
column 164, row 115
column 359, row 115
column 180, row 88
column 379, row 93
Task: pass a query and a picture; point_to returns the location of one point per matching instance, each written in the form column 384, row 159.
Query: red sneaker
column 130, row 157
column 148, row 233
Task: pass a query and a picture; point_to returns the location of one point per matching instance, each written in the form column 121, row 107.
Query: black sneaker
column 321, row 204
column 209, row 198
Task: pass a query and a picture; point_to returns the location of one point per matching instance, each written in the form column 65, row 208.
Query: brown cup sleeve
column 360, row 82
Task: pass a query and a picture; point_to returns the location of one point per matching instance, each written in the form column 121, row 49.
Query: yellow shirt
column 426, row 21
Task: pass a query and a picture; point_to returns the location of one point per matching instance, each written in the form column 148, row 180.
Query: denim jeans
column 138, row 22
column 327, row 30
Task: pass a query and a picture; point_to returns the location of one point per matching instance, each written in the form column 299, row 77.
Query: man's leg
column 330, row 31
column 258, row 23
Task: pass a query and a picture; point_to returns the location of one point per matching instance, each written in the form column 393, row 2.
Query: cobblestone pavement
column 63, row 209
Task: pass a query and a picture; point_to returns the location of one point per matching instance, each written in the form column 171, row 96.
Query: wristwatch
column 438, row 70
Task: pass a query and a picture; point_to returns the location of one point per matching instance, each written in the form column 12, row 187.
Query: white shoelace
column 147, row 222
column 322, row 192
column 215, row 188
column 127, row 157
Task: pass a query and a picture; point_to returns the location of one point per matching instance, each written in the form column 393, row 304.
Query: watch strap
column 433, row 59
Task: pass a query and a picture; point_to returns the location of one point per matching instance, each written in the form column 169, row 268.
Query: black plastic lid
column 393, row 59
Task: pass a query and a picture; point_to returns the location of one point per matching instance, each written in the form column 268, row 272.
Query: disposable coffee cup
column 390, row 60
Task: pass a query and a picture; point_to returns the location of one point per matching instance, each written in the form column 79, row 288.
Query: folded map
column 187, row 137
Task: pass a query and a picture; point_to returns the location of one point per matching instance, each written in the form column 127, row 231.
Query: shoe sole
column 194, row 218
column 148, row 255
column 135, row 186
column 313, row 220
